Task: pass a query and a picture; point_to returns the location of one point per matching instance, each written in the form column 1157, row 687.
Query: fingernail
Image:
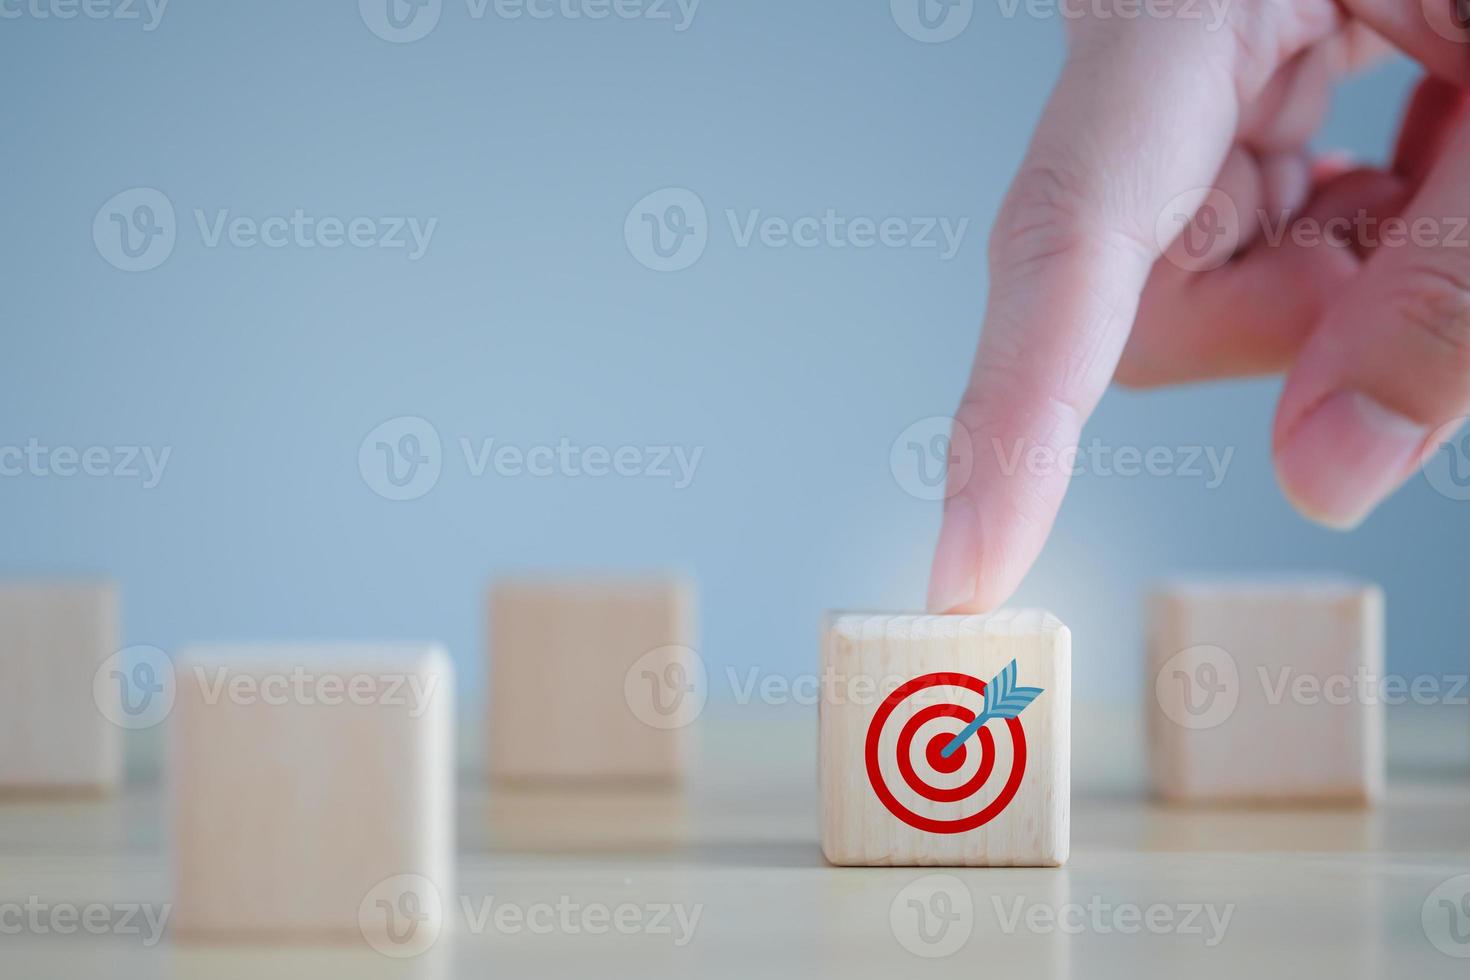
column 952, row 580
column 1345, row 456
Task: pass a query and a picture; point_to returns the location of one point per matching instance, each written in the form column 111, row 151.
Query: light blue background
column 528, row 321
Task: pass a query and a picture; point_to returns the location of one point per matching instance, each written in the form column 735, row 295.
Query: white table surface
column 1324, row 893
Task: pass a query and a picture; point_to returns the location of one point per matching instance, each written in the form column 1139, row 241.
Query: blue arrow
column 1003, row 699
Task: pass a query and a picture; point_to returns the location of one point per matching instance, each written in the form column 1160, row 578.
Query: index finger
column 1142, row 118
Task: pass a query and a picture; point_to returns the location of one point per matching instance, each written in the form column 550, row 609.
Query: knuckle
column 1052, row 212
column 1433, row 301
column 1041, row 217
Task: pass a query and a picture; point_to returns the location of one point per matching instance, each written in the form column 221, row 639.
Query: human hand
column 1156, row 119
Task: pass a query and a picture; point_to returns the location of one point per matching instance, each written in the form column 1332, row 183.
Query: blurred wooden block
column 591, row 680
column 54, row 736
column 1266, row 692
column 896, row 690
column 312, row 790
column 560, row 819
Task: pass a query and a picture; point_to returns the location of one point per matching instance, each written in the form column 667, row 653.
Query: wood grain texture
column 288, row 809
column 54, row 737
column 865, row 658
column 577, row 691
column 1266, row 692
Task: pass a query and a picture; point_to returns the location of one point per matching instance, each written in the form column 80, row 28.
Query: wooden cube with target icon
column 58, row 730
column 946, row 740
column 312, row 793
column 1267, row 691
column 592, row 680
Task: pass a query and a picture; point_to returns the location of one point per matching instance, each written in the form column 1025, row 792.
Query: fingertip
column 968, row 577
column 1310, row 510
column 1344, row 457
column 955, row 572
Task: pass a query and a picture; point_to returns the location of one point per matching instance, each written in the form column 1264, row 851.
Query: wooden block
column 304, row 778
column 1266, row 691
column 562, row 819
column 591, row 680
column 895, row 692
column 54, row 736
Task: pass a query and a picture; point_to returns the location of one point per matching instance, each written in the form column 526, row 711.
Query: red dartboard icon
column 955, row 785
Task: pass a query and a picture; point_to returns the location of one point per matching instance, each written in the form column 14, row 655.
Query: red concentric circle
column 932, row 756
column 972, row 785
